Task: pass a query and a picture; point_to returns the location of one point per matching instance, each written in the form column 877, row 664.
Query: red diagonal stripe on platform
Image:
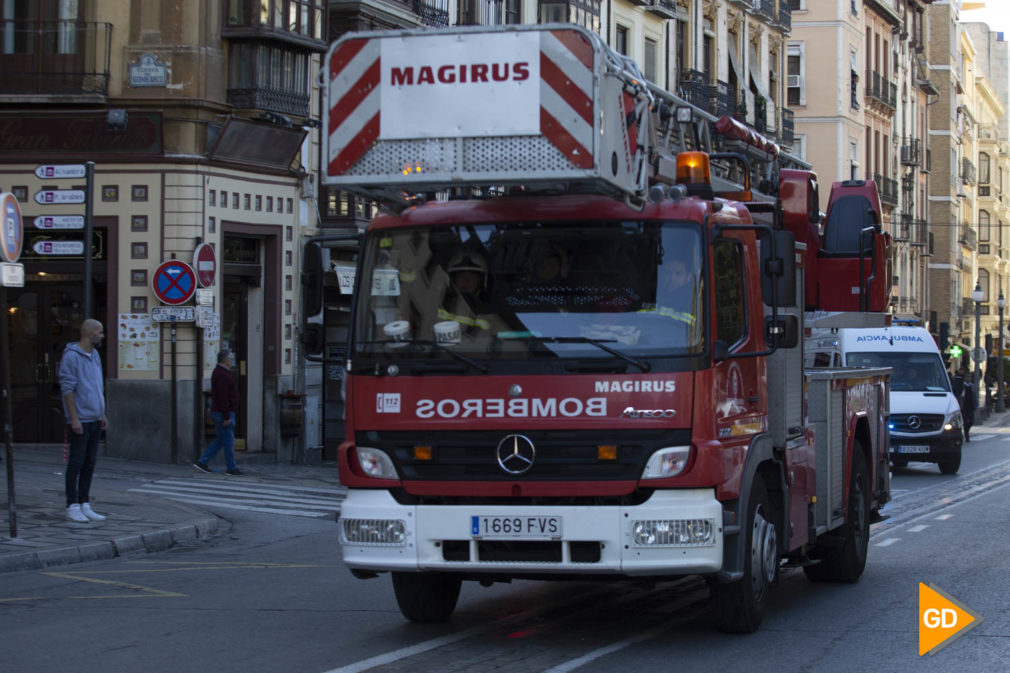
column 349, row 102
column 571, row 93
column 576, row 44
column 344, row 54
column 358, row 146
column 564, row 141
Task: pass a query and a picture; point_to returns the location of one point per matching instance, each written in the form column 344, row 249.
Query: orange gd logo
column 942, row 619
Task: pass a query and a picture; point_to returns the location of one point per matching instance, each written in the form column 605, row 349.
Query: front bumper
column 594, row 540
column 929, row 448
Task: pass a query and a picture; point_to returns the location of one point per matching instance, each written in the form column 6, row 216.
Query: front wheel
column 740, row 606
column 951, row 465
column 426, row 597
column 844, row 557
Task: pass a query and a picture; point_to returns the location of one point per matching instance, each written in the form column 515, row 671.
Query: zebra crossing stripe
column 268, row 498
column 226, row 504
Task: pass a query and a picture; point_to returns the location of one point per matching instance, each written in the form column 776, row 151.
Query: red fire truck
column 574, row 346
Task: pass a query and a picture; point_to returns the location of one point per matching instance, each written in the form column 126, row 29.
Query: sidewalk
column 136, row 521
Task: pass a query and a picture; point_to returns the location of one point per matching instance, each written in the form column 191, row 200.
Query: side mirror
column 783, row 332
column 720, row 350
column 778, row 268
column 312, row 280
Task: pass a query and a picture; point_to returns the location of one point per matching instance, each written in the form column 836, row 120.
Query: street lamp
column 1000, row 404
column 977, row 295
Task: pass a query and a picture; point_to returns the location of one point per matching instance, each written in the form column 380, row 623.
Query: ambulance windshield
column 528, row 290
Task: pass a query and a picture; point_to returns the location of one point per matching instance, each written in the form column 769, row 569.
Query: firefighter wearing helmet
column 467, row 292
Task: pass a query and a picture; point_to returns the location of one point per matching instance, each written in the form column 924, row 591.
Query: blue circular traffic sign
column 12, row 228
column 174, row 282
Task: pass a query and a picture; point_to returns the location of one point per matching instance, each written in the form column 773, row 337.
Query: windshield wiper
column 425, row 342
column 599, row 343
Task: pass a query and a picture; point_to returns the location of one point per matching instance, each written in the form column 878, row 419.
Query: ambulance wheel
column 843, row 555
column 740, row 606
column 950, row 466
column 899, row 461
column 426, row 597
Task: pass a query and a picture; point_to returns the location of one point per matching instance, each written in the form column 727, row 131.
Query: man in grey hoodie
column 83, row 391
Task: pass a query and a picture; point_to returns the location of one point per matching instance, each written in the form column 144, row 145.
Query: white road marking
column 888, row 542
column 918, row 529
column 944, row 517
column 248, row 496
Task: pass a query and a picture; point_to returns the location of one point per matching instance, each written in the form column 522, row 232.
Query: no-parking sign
column 12, row 228
column 174, row 282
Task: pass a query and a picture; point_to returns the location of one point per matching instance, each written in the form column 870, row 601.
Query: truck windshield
column 913, row 372
column 533, row 289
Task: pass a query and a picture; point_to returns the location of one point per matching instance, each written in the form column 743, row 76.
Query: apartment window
column 796, row 95
column 513, row 12
column 708, row 53
column 796, row 5
column 983, row 225
column 853, row 159
column 983, row 168
column 488, row 12
column 681, row 57
column 649, row 69
column 255, row 67
column 983, row 281
column 621, row 40
column 585, row 13
column 301, row 17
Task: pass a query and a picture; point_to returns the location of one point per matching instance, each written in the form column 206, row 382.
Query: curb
column 152, row 541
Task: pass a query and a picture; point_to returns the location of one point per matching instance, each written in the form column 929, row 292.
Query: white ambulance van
column 925, row 417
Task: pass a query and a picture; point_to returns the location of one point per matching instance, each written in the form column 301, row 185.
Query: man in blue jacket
column 83, row 391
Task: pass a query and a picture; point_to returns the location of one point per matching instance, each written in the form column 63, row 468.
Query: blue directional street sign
column 174, row 282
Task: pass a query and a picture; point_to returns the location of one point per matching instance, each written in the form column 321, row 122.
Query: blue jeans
column 225, row 438
column 82, row 453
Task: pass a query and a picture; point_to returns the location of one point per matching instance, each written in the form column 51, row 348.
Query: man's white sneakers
column 74, row 513
column 90, row 513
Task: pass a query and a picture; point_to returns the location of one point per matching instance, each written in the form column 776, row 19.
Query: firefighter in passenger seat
column 466, row 297
column 675, row 291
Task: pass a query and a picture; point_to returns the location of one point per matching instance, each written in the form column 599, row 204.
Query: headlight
column 375, row 463
column 668, row 462
column 389, row 532
column 952, row 422
column 673, row 533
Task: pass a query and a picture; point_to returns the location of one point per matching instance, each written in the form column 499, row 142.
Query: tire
column 426, row 597
column 843, row 555
column 899, row 461
column 951, row 465
column 740, row 606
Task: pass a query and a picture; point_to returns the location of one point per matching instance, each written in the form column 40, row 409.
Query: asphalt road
column 271, row 595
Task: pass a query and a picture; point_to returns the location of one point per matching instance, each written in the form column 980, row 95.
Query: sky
column 996, row 13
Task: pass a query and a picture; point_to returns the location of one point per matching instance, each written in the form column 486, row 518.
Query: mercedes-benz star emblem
column 516, row 454
column 914, row 422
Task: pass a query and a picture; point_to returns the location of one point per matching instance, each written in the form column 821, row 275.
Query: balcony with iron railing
column 788, row 128
column 888, row 189
column 988, row 133
column 695, row 89
column 664, row 9
column 911, row 152
column 723, row 99
column 968, row 175
column 920, row 236
column 969, row 238
column 881, row 91
column 55, row 58
column 785, row 16
column 766, row 9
